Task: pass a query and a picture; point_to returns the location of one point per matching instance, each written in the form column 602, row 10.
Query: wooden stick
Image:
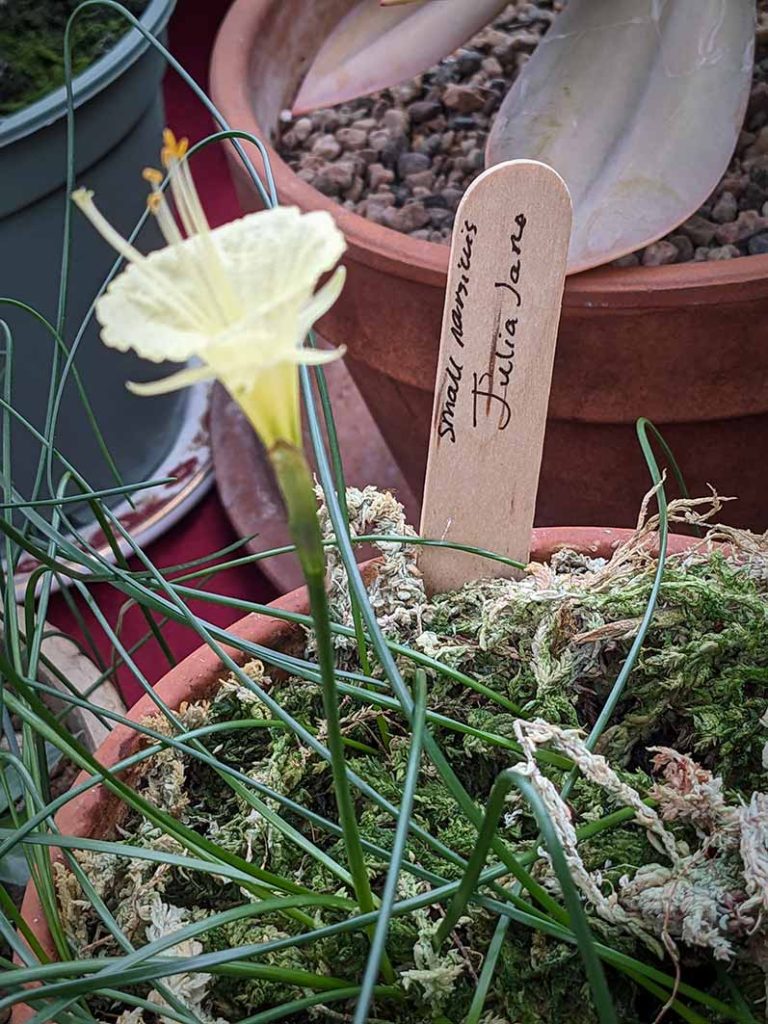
column 502, row 308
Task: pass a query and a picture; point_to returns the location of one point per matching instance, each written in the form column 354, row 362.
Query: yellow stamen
column 192, row 199
column 215, row 283
column 152, row 175
column 173, row 148
column 158, row 204
column 207, row 302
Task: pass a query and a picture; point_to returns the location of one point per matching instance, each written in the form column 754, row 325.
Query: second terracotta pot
column 685, row 345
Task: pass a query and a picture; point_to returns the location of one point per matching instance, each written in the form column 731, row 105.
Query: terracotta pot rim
column 412, row 259
column 271, row 632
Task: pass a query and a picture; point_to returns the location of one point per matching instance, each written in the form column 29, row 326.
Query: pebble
column 468, row 61
column 630, row 260
column 335, row 178
column 508, row 51
column 492, row 67
column 424, row 110
column 463, row 99
column 327, row 147
column 327, row 120
column 352, row 138
column 302, row 129
column 379, row 139
column 760, row 145
column 723, row 252
column 420, row 179
column 406, row 218
column 758, row 245
column 379, row 175
column 392, row 150
column 439, row 217
column 725, row 208
column 748, row 223
column 659, row 254
column 404, row 156
column 684, row 246
column 374, row 207
column 758, row 101
column 452, row 197
column 396, row 121
column 700, row 230
column 412, row 163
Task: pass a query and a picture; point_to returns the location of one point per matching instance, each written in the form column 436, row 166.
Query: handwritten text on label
column 490, row 388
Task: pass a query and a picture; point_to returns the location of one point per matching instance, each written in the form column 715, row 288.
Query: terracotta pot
column 96, row 812
column 684, row 345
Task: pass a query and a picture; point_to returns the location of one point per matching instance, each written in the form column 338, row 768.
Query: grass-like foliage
column 532, row 800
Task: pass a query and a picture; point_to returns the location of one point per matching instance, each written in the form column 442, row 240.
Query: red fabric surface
column 206, row 528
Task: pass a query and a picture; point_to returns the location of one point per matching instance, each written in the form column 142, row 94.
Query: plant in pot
column 681, row 343
column 532, row 799
column 103, row 123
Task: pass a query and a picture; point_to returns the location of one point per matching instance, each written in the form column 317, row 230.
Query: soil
column 552, row 643
column 404, row 156
column 32, row 45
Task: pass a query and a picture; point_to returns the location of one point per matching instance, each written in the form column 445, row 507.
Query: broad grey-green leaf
column 638, row 105
column 374, row 47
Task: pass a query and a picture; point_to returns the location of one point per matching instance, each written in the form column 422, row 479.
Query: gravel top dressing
column 32, row 45
column 675, row 878
column 403, row 157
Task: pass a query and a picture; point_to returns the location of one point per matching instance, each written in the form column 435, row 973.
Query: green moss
column 32, row 45
column 540, row 981
column 699, row 686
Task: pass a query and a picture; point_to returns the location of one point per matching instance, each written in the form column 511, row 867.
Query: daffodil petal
column 271, row 259
column 322, row 300
column 152, row 309
column 176, row 381
column 318, row 356
column 274, row 258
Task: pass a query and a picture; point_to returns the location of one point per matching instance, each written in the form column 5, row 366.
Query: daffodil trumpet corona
column 241, row 299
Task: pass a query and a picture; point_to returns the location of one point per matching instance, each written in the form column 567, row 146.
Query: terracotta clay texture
column 247, row 486
column 685, row 345
column 95, row 812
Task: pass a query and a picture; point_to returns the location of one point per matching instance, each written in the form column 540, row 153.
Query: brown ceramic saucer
column 247, row 487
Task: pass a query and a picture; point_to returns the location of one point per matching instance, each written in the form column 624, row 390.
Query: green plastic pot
column 118, row 125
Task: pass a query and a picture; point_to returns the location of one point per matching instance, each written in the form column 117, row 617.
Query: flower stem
column 295, row 481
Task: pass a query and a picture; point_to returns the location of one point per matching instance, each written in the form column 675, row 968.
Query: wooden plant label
column 502, row 308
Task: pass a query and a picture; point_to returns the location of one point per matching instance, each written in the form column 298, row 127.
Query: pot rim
column 204, row 664
column 53, row 106
column 397, row 254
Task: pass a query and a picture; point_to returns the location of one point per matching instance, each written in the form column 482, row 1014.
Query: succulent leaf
column 376, row 46
column 638, row 105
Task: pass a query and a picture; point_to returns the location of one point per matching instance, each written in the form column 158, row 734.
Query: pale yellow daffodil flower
column 241, row 298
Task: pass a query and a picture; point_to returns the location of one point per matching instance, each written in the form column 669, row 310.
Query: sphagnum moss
column 683, row 876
